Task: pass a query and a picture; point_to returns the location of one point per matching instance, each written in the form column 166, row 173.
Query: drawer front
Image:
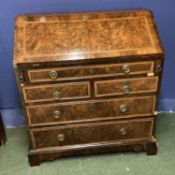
column 89, row 111
column 126, row 86
column 79, row 72
column 91, row 133
column 56, row 92
column 136, row 107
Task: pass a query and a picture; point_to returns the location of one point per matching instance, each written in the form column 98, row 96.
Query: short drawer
column 91, row 133
column 54, row 92
column 81, row 72
column 126, row 86
column 72, row 112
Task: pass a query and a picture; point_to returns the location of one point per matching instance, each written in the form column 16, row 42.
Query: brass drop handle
column 53, row 75
column 60, row 137
column 56, row 94
column 126, row 69
column 92, row 71
column 123, row 131
column 123, row 108
column 125, row 89
column 56, row 114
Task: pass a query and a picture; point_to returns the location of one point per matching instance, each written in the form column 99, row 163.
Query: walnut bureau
column 89, row 82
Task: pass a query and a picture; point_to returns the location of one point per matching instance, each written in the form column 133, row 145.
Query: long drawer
column 64, row 91
column 58, row 113
column 91, row 133
column 126, row 86
column 91, row 71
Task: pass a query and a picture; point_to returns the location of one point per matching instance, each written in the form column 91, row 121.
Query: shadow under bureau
column 89, row 82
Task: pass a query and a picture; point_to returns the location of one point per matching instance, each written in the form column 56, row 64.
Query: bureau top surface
column 69, row 37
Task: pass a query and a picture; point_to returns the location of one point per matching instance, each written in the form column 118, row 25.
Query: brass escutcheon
column 56, row 94
column 125, row 89
column 85, row 18
column 92, row 71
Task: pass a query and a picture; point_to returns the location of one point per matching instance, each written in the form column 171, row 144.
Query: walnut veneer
column 89, row 82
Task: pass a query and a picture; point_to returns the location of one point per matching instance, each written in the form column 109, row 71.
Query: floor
column 13, row 159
